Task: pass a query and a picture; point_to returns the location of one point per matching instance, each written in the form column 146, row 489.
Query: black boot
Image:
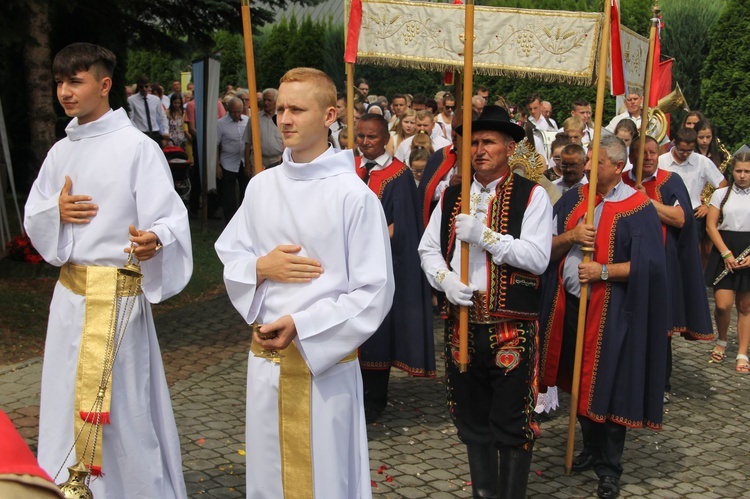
column 515, row 463
column 483, row 469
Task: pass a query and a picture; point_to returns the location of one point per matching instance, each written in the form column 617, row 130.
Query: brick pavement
column 701, row 453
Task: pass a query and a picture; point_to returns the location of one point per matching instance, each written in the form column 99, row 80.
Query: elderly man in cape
column 509, row 231
column 625, row 337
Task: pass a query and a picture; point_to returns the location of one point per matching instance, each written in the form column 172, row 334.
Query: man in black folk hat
column 509, row 230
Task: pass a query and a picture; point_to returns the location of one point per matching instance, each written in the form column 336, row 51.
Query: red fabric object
column 661, row 82
column 448, row 78
column 655, row 77
column 91, row 417
column 352, row 35
column 617, row 78
column 15, row 456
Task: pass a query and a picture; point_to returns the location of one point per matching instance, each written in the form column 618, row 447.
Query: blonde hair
column 400, row 129
column 422, row 140
column 574, row 123
column 323, row 88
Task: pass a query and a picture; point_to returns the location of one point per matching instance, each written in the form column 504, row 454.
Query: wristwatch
column 605, row 273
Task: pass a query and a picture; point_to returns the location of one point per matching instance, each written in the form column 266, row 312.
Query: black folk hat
column 495, row 118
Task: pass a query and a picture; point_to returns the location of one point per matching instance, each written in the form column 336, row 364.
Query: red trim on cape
column 380, row 178
column 449, row 160
column 599, row 291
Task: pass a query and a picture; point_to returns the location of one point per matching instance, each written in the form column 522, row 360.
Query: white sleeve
column 717, row 197
column 531, row 251
column 163, row 122
column 335, row 326
column 51, row 238
column 237, row 251
column 161, row 211
column 713, row 174
column 430, row 254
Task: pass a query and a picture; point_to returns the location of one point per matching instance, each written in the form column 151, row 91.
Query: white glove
column 469, row 229
column 457, row 292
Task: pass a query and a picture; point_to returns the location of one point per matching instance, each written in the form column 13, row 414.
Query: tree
column 685, row 37
column 232, row 49
column 39, row 28
column 272, row 58
column 725, row 89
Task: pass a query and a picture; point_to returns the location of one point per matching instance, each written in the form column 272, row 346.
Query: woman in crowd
column 728, row 226
column 692, row 118
column 405, row 128
column 708, row 143
column 175, row 115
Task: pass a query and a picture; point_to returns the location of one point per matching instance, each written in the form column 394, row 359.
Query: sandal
column 743, row 364
column 719, row 352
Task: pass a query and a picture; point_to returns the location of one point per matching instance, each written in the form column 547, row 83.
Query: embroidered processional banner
column 551, row 45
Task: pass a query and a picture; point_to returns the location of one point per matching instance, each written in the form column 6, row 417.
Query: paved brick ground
column 701, row 453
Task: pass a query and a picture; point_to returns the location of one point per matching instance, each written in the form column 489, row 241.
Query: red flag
column 654, row 96
column 617, row 65
column 352, row 35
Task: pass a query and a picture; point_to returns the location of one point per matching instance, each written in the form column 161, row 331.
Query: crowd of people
column 338, row 258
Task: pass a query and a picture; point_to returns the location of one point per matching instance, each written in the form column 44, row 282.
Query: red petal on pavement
column 200, row 441
column 468, row 484
column 388, row 478
column 372, row 483
column 382, row 469
column 538, row 472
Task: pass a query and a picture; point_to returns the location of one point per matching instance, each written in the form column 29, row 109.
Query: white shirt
column 230, row 136
column 563, row 187
column 695, row 171
column 626, row 115
column 271, row 145
column 404, row 148
column 542, row 123
column 736, row 210
column 446, row 126
column 530, row 252
column 137, row 114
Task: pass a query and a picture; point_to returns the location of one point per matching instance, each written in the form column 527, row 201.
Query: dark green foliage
column 157, row 66
column 232, row 49
column 726, row 75
column 272, row 58
column 333, row 50
column 390, row 81
column 685, row 37
column 306, row 49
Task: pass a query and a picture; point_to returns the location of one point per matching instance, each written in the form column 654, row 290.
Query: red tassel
column 95, row 470
column 90, row 417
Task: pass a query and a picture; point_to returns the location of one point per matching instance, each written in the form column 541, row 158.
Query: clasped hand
column 469, row 229
column 143, row 243
column 75, row 209
column 283, row 264
column 285, row 330
column 457, row 292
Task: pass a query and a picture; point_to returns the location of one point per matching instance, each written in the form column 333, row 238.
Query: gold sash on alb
column 295, row 382
column 101, row 286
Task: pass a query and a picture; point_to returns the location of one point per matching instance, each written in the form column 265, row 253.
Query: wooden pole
column 350, row 132
column 468, row 83
column 587, row 251
column 647, row 95
column 252, row 88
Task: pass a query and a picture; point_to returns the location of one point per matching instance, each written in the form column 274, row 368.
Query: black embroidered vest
column 511, row 292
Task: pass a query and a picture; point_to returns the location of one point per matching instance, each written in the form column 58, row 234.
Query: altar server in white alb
column 103, row 188
column 307, row 262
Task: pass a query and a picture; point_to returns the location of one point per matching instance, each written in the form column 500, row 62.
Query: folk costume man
column 404, row 339
column 509, row 231
column 94, row 188
column 624, row 350
column 307, row 262
column 691, row 316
